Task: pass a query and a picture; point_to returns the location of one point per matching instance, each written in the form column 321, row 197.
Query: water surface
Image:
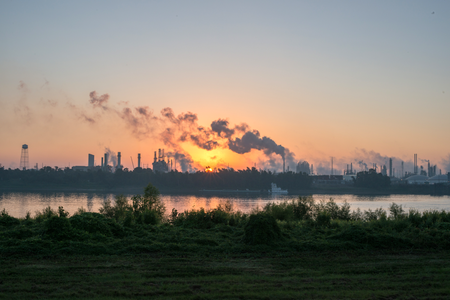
column 18, row 204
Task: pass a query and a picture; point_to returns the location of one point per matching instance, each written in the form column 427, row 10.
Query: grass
column 296, row 249
column 306, row 275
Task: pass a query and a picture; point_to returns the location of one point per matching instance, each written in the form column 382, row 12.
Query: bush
column 150, row 217
column 58, row 228
column 6, row 220
column 91, row 223
column 261, row 228
column 46, row 213
column 147, row 208
column 204, row 219
column 303, row 208
column 396, row 211
column 323, row 219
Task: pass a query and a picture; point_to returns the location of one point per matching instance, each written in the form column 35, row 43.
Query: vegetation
column 299, row 248
column 141, row 225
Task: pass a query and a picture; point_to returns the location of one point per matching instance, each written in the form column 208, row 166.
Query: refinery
column 419, row 175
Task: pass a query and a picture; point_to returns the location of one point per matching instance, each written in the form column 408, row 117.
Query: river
column 17, row 204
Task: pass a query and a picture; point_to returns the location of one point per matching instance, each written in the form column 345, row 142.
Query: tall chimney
column 119, row 159
column 159, row 154
column 139, row 160
column 106, row 159
column 154, row 160
column 390, row 167
column 102, row 163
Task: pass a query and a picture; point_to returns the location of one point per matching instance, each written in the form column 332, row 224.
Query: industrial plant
column 110, row 162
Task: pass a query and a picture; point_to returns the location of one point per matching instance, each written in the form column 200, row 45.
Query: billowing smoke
column 362, row 165
column 446, row 163
column 112, row 157
column 183, row 160
column 251, row 140
column 139, row 120
column 175, row 129
column 98, row 101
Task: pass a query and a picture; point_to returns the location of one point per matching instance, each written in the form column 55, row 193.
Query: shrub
column 261, row 228
column 62, row 213
column 91, row 223
column 377, row 214
column 58, row 228
column 6, row 220
column 303, row 207
column 396, row 211
column 46, row 213
column 146, row 208
column 323, row 219
column 150, row 217
column 116, row 211
column 201, row 218
column 150, row 201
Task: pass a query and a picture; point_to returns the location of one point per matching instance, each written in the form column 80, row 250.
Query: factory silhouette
column 111, row 163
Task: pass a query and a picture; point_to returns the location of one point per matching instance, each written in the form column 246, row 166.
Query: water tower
column 24, row 157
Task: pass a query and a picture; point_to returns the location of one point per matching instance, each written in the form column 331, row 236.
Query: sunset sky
column 353, row 80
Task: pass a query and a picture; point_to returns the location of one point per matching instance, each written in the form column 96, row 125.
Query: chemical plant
column 110, row 162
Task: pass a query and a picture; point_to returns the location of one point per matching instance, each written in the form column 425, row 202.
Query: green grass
column 306, row 275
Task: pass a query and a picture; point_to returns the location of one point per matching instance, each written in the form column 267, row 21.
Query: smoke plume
column 112, row 157
column 98, row 101
column 175, row 129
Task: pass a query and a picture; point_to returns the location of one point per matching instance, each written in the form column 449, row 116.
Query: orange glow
column 208, row 169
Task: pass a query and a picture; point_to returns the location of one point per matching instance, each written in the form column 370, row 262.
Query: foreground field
column 307, row 275
column 296, row 249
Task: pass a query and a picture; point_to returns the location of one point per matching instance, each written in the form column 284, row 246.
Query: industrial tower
column 24, row 157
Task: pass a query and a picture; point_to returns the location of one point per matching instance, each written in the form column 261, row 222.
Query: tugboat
column 277, row 190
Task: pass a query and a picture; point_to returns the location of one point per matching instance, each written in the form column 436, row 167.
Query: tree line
column 252, row 179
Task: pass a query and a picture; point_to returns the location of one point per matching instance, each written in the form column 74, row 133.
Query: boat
column 277, row 190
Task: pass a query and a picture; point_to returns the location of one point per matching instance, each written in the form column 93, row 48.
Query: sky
column 359, row 81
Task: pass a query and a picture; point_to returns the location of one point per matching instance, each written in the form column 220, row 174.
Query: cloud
column 98, row 101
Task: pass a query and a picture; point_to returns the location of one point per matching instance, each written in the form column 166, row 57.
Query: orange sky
column 322, row 79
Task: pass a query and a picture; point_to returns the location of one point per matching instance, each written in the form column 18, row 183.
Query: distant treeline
column 252, row 179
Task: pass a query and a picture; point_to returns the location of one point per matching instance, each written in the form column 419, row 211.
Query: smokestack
column 415, row 164
column 90, row 161
column 139, row 160
column 102, row 163
column 162, row 154
column 154, row 159
column 390, row 167
column 351, row 168
column 119, row 160
column 331, row 165
column 106, row 159
column 159, row 154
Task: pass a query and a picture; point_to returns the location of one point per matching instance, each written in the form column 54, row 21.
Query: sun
column 208, row 169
